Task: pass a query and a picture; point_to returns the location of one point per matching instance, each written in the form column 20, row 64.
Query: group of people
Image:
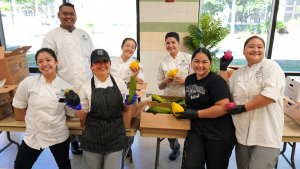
column 67, row 60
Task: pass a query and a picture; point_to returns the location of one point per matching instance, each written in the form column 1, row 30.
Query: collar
column 119, row 59
column 65, row 30
column 54, row 81
column 176, row 57
column 254, row 65
column 99, row 81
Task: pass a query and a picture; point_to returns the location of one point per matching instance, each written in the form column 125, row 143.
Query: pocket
column 60, row 109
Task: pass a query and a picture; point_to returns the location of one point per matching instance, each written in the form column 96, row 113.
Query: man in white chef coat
column 73, row 47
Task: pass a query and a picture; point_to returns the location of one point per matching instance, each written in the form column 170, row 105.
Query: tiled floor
column 143, row 155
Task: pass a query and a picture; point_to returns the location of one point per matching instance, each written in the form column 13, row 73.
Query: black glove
column 224, row 63
column 187, row 114
column 237, row 110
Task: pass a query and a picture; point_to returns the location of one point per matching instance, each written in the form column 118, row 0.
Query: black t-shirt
column 202, row 94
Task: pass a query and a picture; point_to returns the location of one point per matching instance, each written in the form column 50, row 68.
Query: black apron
column 104, row 129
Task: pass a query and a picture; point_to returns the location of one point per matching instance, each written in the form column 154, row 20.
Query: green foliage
column 209, row 33
column 279, row 25
column 91, row 26
column 5, row 7
column 31, row 4
column 211, row 7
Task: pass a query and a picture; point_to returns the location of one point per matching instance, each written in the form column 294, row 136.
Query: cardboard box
column 294, row 112
column 5, row 110
column 14, row 65
column 6, row 94
column 292, row 88
column 163, row 123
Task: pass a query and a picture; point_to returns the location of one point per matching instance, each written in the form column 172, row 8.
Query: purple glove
column 78, row 107
column 133, row 99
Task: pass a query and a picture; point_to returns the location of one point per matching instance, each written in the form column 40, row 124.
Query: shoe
column 75, row 148
column 174, row 154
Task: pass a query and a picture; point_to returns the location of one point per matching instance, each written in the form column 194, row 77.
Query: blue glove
column 133, row 99
column 78, row 107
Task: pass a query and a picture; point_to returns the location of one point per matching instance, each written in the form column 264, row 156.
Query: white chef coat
column 182, row 62
column 262, row 126
column 121, row 69
column 85, row 93
column 73, row 51
column 45, row 117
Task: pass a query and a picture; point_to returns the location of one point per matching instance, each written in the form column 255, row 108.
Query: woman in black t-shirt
column 212, row 136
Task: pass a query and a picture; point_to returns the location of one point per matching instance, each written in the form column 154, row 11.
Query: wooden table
column 9, row 124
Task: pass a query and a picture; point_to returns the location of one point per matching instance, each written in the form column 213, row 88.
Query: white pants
column 255, row 157
column 103, row 160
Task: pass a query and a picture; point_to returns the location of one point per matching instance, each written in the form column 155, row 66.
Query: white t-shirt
column 85, row 93
column 73, row 51
column 45, row 117
column 262, row 126
column 182, row 62
column 121, row 69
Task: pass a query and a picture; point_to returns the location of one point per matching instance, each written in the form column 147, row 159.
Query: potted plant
column 209, row 33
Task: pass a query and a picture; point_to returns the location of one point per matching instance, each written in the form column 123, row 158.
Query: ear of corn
column 176, row 108
column 172, row 73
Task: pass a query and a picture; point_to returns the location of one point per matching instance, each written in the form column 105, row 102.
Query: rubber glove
column 78, row 107
column 224, row 63
column 133, row 99
column 187, row 114
column 237, row 110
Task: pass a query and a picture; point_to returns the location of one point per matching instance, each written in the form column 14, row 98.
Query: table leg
column 157, row 151
column 292, row 162
column 293, row 155
column 10, row 142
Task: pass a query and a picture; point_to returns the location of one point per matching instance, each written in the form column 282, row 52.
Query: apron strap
column 93, row 83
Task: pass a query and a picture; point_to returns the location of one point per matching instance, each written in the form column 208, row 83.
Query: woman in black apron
column 104, row 135
column 212, row 135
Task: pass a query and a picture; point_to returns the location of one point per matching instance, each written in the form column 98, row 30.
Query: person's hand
column 168, row 80
column 179, row 80
column 133, row 100
column 78, row 107
column 224, row 63
column 135, row 71
column 237, row 110
column 187, row 114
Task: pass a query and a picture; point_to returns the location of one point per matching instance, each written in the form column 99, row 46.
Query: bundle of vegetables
column 157, row 109
column 176, row 108
column 157, row 98
column 72, row 97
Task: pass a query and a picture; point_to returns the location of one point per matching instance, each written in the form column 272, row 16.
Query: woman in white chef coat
column 173, row 86
column 120, row 65
column 103, row 99
column 257, row 89
column 38, row 98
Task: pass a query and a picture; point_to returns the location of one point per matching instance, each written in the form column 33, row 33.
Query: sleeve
column 84, row 98
column 160, row 73
column 21, row 96
column 273, row 82
column 123, row 89
column 48, row 42
column 218, row 90
column 141, row 74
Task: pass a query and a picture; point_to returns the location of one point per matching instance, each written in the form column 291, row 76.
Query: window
column 251, row 17
column 286, row 42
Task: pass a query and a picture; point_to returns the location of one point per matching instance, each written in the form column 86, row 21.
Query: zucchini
column 132, row 89
column 182, row 102
column 177, row 100
column 158, row 99
column 157, row 109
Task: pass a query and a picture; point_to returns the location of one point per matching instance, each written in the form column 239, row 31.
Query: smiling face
column 254, row 51
column 46, row 64
column 128, row 48
column 201, row 64
column 172, row 45
column 67, row 17
column 101, row 67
